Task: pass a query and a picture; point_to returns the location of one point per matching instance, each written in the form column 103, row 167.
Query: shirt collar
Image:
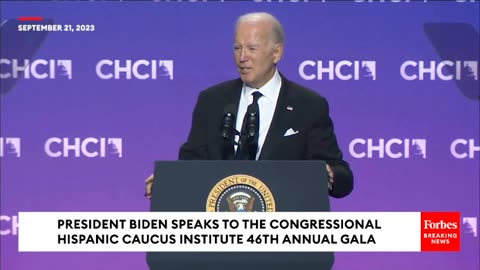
column 270, row 90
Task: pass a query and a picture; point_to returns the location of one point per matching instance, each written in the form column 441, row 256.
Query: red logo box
column 440, row 231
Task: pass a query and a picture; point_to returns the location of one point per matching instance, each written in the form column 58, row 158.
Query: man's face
column 255, row 53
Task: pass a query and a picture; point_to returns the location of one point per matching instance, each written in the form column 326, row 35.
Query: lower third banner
column 239, row 232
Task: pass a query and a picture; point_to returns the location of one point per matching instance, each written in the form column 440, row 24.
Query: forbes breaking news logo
column 341, row 70
column 445, row 70
column 35, row 69
column 83, row 147
column 141, row 69
column 392, row 148
column 10, row 147
column 462, row 148
column 440, row 231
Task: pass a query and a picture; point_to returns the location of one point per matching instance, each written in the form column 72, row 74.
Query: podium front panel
column 184, row 186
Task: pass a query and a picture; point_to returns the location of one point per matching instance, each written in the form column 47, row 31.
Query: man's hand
column 148, row 188
column 330, row 176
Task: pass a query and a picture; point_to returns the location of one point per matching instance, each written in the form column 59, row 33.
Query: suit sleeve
column 196, row 146
column 322, row 144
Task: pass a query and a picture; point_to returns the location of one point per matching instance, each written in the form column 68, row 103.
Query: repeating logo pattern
column 391, row 148
column 10, row 147
column 90, row 147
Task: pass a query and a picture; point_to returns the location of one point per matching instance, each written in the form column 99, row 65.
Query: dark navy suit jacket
column 307, row 113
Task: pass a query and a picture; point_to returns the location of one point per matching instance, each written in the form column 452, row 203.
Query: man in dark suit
column 291, row 121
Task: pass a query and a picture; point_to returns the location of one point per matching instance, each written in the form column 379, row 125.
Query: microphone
column 251, row 124
column 228, row 123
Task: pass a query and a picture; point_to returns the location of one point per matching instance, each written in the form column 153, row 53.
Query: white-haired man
column 282, row 106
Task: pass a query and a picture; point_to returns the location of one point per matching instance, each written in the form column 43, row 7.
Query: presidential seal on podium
column 240, row 193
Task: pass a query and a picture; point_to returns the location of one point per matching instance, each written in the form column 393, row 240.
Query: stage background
column 149, row 119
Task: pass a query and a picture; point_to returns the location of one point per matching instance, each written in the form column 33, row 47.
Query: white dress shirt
column 266, row 103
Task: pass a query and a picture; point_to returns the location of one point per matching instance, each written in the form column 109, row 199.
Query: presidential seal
column 240, row 193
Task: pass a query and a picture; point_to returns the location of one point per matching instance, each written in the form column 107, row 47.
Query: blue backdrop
column 401, row 79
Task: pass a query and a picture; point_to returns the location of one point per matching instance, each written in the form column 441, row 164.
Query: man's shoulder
column 304, row 93
column 221, row 88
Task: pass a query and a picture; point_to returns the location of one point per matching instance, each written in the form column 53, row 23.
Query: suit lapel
column 232, row 96
column 282, row 120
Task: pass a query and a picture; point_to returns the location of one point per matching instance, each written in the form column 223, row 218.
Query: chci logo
column 240, row 193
